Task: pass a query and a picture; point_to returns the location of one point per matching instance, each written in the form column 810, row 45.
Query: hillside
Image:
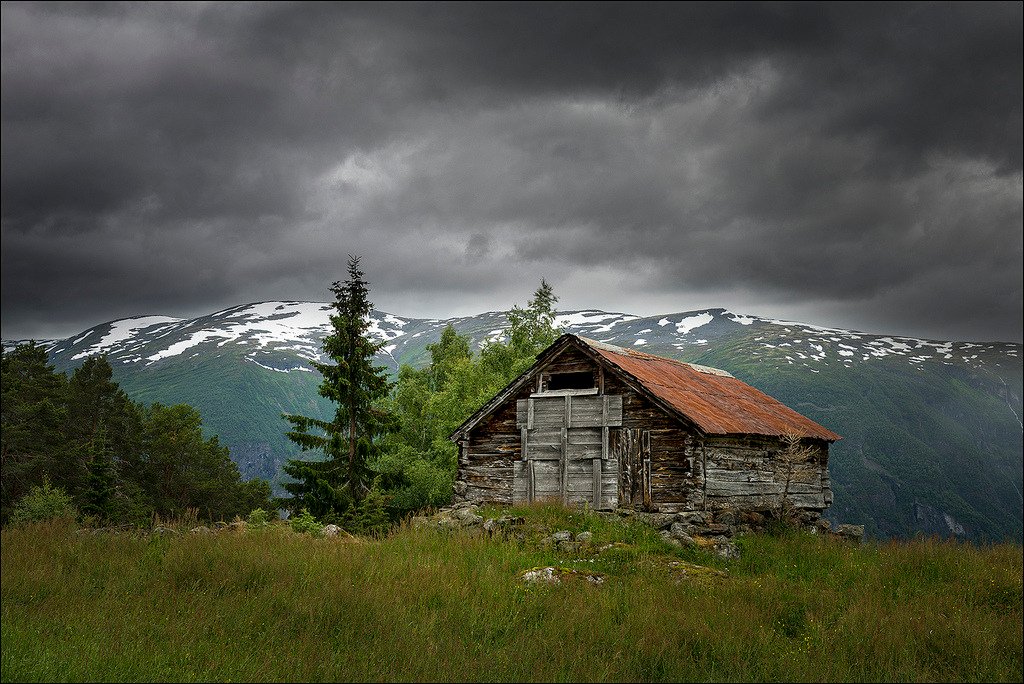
column 616, row 603
column 932, row 435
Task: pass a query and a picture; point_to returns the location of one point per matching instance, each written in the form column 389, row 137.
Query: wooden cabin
column 613, row 427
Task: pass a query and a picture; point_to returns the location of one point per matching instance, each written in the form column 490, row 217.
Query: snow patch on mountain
column 580, row 318
column 739, row 318
column 120, row 331
column 693, row 322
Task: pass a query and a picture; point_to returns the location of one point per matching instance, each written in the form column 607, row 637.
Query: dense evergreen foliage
column 118, row 461
column 336, row 487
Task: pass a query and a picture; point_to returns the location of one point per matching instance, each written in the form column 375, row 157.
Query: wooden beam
column 531, row 485
column 564, row 463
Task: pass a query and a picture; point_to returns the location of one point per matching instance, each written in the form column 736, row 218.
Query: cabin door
column 565, row 453
column 632, row 449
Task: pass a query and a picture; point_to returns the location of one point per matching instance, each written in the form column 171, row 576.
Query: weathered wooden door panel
column 632, row 448
column 565, row 449
column 547, row 480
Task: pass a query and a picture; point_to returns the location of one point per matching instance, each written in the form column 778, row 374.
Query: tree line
column 118, row 461
column 384, row 453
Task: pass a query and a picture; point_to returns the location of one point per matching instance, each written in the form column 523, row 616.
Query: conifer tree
column 32, row 411
column 357, row 386
column 99, row 485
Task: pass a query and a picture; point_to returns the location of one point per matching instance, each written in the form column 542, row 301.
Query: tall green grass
column 427, row 605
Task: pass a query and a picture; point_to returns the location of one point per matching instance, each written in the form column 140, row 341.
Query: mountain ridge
column 916, row 414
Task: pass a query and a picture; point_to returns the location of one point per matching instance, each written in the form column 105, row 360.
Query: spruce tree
column 99, row 485
column 357, row 386
column 32, row 412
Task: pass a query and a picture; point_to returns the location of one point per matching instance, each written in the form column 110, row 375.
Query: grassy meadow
column 429, row 605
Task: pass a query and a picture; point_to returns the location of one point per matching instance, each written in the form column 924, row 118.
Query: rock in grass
column 726, row 549
column 552, row 575
column 681, row 533
column 546, row 575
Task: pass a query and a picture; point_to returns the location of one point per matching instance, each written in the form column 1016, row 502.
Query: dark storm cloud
column 859, row 164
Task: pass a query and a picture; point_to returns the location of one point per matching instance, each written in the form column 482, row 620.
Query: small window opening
column 563, row 381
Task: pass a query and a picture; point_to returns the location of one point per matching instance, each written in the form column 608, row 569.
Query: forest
column 79, row 446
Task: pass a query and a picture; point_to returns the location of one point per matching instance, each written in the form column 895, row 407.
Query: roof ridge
column 615, row 349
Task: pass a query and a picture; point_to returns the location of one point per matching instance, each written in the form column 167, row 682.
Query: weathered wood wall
column 751, row 474
column 487, row 458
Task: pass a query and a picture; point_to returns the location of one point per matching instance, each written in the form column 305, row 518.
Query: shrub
column 304, row 522
column 258, row 518
column 43, row 503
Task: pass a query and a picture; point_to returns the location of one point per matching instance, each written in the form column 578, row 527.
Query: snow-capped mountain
column 931, row 429
column 296, row 329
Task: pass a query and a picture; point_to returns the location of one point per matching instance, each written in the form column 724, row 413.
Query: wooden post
column 531, row 486
column 646, row 455
column 564, row 463
column 604, row 457
column 598, row 467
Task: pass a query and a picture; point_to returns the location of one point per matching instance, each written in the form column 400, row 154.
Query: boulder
column 753, row 519
column 658, row 521
column 503, row 525
column 680, row 539
column 678, row 528
column 726, row 549
column 331, row 530
column 467, row 516
column 691, row 517
column 726, row 517
column 552, row 576
column 569, row 547
column 541, row 576
column 851, row 532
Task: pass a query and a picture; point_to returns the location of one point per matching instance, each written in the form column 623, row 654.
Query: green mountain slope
column 932, row 436
column 933, row 450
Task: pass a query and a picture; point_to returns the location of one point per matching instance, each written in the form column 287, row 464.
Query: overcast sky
column 852, row 165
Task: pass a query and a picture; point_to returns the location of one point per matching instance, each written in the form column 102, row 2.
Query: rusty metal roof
column 713, row 399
